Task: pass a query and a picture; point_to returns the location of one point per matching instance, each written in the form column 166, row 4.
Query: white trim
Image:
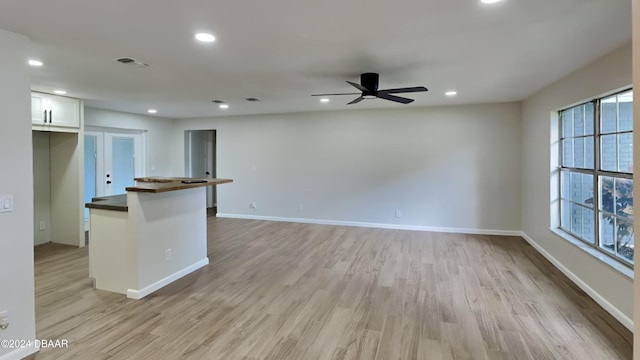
column 20, row 353
column 139, row 294
column 614, row 311
column 374, row 225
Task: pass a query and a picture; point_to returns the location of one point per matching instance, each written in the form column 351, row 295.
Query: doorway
column 112, row 159
column 200, row 159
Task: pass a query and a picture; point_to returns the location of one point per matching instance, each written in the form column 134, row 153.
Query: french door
column 112, row 161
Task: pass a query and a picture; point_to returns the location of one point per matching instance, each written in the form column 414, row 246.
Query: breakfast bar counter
column 149, row 237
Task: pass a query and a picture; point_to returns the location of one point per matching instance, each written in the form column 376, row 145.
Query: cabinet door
column 37, row 109
column 64, row 112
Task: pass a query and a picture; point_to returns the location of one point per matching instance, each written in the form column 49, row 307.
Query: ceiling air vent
column 218, row 101
column 131, row 61
column 253, row 99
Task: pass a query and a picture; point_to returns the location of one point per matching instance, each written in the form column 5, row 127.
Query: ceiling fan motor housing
column 370, row 81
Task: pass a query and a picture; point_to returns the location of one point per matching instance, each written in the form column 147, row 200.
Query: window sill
column 624, row 270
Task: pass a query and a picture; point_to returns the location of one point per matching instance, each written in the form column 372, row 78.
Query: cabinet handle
column 50, row 116
column 45, row 116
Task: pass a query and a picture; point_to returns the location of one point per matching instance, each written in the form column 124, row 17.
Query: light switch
column 6, row 203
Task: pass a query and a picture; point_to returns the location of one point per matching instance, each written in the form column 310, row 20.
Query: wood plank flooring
column 281, row 291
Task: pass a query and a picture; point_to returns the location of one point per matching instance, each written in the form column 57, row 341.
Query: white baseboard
column 374, row 225
column 614, row 311
column 139, row 294
column 21, row 353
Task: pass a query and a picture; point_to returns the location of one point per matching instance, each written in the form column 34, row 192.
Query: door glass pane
column 122, row 165
column 89, row 170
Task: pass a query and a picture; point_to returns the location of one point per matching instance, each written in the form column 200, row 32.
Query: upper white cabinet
column 48, row 111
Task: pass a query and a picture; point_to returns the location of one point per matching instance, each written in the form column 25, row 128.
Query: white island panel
column 170, row 232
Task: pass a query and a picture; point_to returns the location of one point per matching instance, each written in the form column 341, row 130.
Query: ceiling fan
column 369, row 90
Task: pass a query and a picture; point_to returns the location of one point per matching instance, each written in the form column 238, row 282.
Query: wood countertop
column 163, row 184
column 151, row 185
column 113, row 202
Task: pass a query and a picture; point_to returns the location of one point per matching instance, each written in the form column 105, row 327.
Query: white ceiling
column 282, row 51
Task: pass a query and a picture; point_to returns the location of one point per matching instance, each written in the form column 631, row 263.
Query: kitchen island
column 149, row 237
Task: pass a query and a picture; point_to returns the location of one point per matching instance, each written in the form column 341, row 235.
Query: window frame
column 596, row 172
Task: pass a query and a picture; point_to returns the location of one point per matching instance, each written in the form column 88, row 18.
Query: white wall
column 16, row 178
column 612, row 289
column 442, row 167
column 158, row 135
column 41, row 187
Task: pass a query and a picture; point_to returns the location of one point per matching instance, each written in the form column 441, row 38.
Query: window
column 596, row 174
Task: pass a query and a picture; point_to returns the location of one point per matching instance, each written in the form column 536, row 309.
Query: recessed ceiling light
column 59, row 92
column 223, row 106
column 324, row 100
column 205, row 37
column 34, row 62
column 152, row 111
column 490, row 1
column 451, row 93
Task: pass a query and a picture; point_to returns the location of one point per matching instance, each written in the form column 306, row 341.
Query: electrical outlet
column 167, row 255
column 398, row 213
column 253, row 205
column 43, row 225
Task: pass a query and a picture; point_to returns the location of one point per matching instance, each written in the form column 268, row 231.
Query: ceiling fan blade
column 358, row 86
column 404, row 90
column 357, row 100
column 335, row 94
column 398, row 99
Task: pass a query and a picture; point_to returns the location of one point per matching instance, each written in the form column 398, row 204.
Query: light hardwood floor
column 305, row 292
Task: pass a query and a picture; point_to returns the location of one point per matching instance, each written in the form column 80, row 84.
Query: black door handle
column 207, row 173
column 108, row 181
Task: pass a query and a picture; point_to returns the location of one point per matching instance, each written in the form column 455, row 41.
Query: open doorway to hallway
column 200, row 160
